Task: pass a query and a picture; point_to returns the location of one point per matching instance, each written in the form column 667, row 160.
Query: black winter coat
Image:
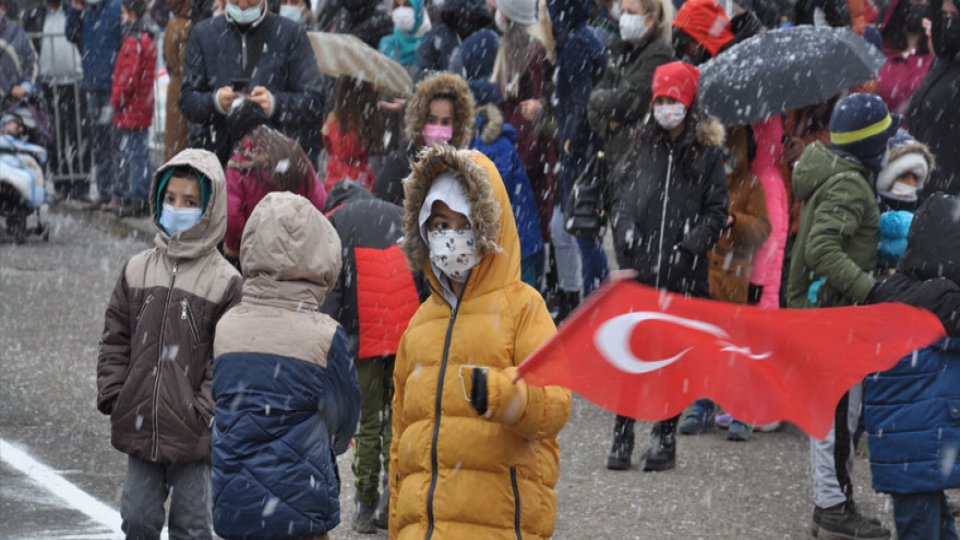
column 935, row 121
column 389, row 183
column 286, row 67
column 690, row 216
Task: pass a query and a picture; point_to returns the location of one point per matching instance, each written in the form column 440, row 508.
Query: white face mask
column 670, row 115
column 904, row 191
column 404, row 18
column 503, row 24
column 633, row 28
column 453, row 252
column 292, row 12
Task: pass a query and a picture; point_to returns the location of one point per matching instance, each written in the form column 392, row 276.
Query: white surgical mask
column 176, row 220
column 404, row 18
column 670, row 115
column 453, row 252
column 293, row 13
column 633, row 28
column 243, row 16
column 904, row 191
column 503, row 23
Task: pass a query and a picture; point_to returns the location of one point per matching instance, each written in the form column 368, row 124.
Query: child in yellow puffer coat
column 474, row 453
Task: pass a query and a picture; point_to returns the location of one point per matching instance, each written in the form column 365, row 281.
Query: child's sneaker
column 739, row 431
column 699, row 419
column 723, row 421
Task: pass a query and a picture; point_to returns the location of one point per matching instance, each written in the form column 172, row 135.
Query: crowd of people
column 338, row 267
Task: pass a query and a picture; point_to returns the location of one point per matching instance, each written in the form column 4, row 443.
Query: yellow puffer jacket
column 454, row 474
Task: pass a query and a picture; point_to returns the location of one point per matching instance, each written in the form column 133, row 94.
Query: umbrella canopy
column 782, row 70
column 345, row 55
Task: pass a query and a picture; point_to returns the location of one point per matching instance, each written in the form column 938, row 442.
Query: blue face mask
column 243, row 16
column 175, row 220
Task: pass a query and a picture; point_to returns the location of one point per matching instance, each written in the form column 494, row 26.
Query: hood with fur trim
column 418, row 109
column 497, row 242
column 913, row 157
column 491, row 123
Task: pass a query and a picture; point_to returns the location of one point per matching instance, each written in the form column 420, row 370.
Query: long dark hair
column 894, row 33
column 357, row 110
column 277, row 162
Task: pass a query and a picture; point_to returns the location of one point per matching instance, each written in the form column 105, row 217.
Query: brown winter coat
column 732, row 257
column 174, row 47
column 155, row 365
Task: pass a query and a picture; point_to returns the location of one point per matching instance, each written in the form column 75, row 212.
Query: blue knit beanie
column 861, row 124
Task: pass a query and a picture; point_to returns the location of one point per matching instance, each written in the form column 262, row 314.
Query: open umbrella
column 782, row 70
column 346, row 55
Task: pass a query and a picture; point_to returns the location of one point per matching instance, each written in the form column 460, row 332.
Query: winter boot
column 363, row 517
column 382, row 514
column 619, row 458
column 739, row 431
column 662, row 454
column 568, row 302
column 700, row 418
column 844, row 521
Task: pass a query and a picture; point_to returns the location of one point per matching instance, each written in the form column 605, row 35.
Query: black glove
column 478, row 391
column 681, row 265
column 754, row 293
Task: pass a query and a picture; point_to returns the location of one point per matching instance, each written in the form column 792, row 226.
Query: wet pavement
column 52, row 301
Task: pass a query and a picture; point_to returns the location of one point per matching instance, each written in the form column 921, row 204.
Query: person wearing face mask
column 669, row 207
column 297, row 11
column 837, row 240
column 94, row 26
column 622, row 98
column 906, row 168
column 907, row 47
column 933, row 113
column 441, row 112
column 410, row 23
column 491, row 440
column 458, row 20
column 252, row 54
column 155, row 370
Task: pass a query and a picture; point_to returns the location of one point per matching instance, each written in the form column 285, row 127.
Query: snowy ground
column 52, row 298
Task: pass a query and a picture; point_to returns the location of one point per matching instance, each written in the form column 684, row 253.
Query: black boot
column 619, row 458
column 662, row 454
column 363, row 517
column 568, row 302
column 381, row 516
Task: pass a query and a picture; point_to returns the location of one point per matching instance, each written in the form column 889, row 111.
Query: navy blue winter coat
column 287, row 68
column 96, row 31
column 912, row 412
column 498, row 141
column 458, row 20
column 287, row 398
column 581, row 61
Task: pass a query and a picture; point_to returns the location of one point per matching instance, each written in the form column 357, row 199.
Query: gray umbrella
column 782, row 70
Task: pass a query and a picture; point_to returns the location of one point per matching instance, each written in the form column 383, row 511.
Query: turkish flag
column 646, row 354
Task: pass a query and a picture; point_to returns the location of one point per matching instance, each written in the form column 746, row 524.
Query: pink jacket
column 244, row 191
column 768, row 261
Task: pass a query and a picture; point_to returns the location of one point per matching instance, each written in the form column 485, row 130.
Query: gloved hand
column 680, row 265
column 493, row 394
column 754, row 293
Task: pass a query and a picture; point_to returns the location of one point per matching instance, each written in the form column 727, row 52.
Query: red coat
column 133, row 73
column 347, row 157
column 900, row 77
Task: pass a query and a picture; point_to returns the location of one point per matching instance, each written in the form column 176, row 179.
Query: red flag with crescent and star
column 647, row 354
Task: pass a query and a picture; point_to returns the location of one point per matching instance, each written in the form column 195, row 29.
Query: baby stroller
column 22, row 191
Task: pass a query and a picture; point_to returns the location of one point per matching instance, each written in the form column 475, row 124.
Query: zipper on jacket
column 434, row 459
column 143, row 308
column 186, row 314
column 156, row 380
column 516, row 502
column 663, row 217
column 243, row 51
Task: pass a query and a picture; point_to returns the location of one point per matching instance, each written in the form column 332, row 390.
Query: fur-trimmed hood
column 710, row 132
column 441, row 84
column 912, row 157
column 490, row 123
column 497, row 242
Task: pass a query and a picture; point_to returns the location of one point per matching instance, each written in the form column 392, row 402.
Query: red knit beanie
column 706, row 22
column 677, row 80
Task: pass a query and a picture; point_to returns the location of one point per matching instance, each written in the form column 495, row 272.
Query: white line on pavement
column 61, row 487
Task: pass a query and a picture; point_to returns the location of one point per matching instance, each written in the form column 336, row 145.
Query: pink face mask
column 437, row 134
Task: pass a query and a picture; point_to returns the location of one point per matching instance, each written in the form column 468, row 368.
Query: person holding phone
column 275, row 68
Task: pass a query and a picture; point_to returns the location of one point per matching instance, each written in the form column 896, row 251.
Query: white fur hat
column 905, row 155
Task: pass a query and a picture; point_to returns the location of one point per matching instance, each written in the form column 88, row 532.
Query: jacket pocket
column 516, row 502
column 186, row 314
column 143, row 307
